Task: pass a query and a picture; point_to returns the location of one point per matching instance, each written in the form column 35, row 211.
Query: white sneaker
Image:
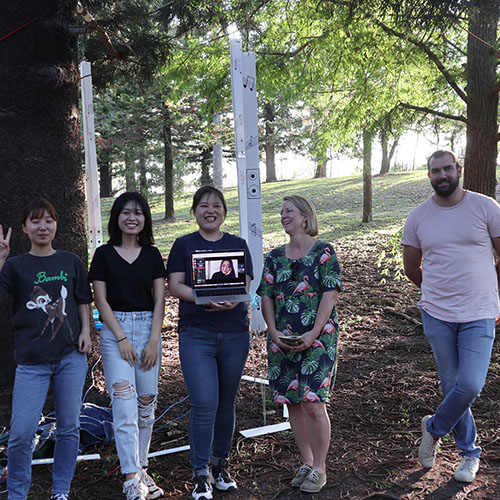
column 466, row 471
column 202, row 488
column 220, row 478
column 154, row 491
column 134, row 489
column 428, row 446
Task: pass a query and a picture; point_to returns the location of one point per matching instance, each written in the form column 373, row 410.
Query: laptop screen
column 216, row 268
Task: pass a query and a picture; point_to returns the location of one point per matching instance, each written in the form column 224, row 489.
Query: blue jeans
column 133, row 391
column 462, row 352
column 31, row 385
column 212, row 364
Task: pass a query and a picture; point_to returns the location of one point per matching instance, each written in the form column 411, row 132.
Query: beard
column 445, row 189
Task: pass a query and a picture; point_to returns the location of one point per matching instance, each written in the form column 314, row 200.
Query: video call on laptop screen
column 225, row 268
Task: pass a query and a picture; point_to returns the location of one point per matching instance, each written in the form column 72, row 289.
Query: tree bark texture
column 130, row 183
column 40, row 147
column 169, row 164
column 320, row 172
column 367, row 176
column 143, row 182
column 206, row 163
column 384, row 165
column 269, row 142
column 482, row 107
column 105, row 177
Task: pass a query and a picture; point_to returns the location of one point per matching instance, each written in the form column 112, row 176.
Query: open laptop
column 209, row 281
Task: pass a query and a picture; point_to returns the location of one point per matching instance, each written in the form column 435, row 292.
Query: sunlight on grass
column 338, row 202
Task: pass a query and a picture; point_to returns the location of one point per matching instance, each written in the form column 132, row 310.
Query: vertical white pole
column 92, row 186
column 243, row 80
column 253, row 194
column 239, row 132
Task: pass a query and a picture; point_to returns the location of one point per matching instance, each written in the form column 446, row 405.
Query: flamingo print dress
column 296, row 287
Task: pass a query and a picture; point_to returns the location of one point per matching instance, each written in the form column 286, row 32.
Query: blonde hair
column 307, row 209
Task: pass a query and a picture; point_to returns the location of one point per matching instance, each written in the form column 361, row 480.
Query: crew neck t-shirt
column 459, row 279
column 192, row 315
column 46, row 293
column 129, row 286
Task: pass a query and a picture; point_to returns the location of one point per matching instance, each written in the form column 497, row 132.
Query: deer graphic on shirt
column 54, row 309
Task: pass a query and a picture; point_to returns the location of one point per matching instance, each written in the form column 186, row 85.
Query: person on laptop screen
column 213, row 343
column 225, row 273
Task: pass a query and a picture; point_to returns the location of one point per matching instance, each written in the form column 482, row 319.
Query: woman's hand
column 308, row 340
column 275, row 334
column 149, row 355
column 220, row 306
column 4, row 244
column 128, row 352
column 85, row 342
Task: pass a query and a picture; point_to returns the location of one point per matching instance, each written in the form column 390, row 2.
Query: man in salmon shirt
column 448, row 251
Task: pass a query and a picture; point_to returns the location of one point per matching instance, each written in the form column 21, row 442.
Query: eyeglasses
column 294, row 266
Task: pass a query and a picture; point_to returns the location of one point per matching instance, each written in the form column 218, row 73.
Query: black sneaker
column 221, row 478
column 202, row 488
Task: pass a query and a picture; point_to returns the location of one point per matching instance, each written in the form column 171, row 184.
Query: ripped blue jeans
column 133, row 391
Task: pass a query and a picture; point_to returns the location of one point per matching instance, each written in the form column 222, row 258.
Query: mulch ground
column 386, row 382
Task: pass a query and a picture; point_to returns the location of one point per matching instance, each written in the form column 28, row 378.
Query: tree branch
column 430, row 54
column 298, row 50
column 497, row 137
column 431, row 111
column 92, row 23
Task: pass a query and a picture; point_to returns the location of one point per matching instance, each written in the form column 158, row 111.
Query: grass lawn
column 338, row 202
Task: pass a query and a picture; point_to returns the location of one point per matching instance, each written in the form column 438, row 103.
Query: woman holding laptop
column 213, row 346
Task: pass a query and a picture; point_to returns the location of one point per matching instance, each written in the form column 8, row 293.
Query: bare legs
column 311, row 429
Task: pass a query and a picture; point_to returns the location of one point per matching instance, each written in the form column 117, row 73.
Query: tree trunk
column 206, row 162
column 392, row 151
column 482, row 108
column 130, row 184
column 105, row 177
column 384, row 165
column 367, row 176
column 143, row 182
column 269, row 142
column 40, row 148
column 169, row 164
column 320, row 172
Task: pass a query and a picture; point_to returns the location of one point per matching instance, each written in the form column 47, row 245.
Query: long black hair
column 145, row 237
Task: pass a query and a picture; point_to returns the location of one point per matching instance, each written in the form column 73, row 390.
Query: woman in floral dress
column 299, row 289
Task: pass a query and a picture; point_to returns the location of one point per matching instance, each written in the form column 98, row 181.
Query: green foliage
column 390, row 260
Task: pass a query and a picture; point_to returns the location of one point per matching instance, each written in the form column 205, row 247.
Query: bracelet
column 121, row 339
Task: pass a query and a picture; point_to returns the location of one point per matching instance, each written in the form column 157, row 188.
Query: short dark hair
column 201, row 192
column 442, row 152
column 145, row 237
column 35, row 209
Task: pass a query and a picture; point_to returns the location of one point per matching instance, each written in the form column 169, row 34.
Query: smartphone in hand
column 291, row 340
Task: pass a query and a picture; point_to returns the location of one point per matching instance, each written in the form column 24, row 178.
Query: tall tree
column 40, row 139
column 476, row 84
column 367, row 176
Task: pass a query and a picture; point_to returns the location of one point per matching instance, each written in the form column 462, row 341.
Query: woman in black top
column 51, row 294
column 128, row 275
